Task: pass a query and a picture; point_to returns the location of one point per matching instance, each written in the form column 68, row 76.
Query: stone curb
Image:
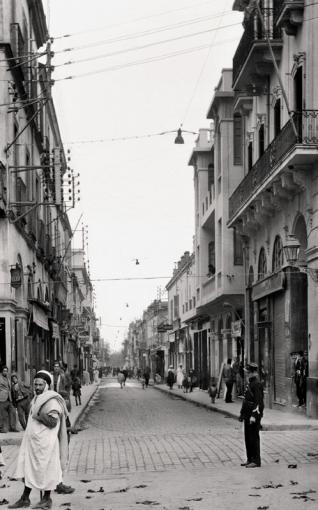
column 83, row 408
column 230, row 414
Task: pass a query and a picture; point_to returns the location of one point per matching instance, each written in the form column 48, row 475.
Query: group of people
column 184, row 380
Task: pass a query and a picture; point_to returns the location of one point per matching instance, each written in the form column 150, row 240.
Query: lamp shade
column 291, row 249
column 179, row 139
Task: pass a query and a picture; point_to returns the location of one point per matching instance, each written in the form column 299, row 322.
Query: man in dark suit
column 251, row 414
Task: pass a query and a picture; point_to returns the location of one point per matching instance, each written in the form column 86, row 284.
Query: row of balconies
column 286, row 146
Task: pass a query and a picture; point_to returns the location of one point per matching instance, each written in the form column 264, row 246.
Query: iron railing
column 280, row 4
column 254, row 32
column 306, row 123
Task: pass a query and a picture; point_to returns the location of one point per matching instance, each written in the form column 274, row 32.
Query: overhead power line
column 145, row 33
column 136, row 20
column 143, row 61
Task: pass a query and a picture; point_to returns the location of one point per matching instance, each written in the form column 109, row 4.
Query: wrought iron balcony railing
column 306, row 123
column 254, row 32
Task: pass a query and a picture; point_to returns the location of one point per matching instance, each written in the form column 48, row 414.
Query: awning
column 40, row 317
column 55, row 330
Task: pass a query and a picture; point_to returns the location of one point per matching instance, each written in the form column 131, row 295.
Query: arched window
column 278, row 254
column 262, row 264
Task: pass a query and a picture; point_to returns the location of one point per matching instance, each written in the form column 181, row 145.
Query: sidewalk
column 15, row 438
column 272, row 420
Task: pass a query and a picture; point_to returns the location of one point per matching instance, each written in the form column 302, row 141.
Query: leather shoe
column 244, row 463
column 64, row 489
column 252, row 465
column 45, row 504
column 21, row 503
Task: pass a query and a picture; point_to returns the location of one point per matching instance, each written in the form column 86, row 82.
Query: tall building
column 274, row 207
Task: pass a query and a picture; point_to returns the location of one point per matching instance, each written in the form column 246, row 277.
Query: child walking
column 76, row 387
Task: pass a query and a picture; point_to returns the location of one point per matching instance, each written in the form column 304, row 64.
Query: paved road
column 141, row 448
column 131, row 429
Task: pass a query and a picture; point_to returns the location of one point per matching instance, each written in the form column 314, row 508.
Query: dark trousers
column 7, row 416
column 252, row 441
column 23, row 409
column 229, row 387
column 301, row 391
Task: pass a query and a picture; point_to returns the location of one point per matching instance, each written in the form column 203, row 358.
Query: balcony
column 273, row 177
column 289, row 15
column 252, row 59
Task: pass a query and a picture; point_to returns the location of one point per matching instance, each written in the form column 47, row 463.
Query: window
column 262, row 265
column 237, row 139
column 171, row 309
column 193, row 299
column 278, row 254
column 238, row 248
column 211, row 258
column 190, row 304
column 210, row 176
column 176, row 307
column 261, row 140
column 250, row 156
column 186, row 305
column 277, row 117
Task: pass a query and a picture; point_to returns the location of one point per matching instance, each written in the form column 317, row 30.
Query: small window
column 261, row 140
column 211, row 258
column 277, row 117
column 238, row 248
column 278, row 254
column 250, row 156
column 262, row 264
column 237, row 139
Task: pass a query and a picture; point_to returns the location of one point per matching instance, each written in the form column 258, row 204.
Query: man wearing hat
column 251, row 414
column 44, row 449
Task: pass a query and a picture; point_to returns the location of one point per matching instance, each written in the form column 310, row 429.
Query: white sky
column 136, row 195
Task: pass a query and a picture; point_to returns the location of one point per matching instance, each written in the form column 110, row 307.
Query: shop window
column 262, row 264
column 278, row 254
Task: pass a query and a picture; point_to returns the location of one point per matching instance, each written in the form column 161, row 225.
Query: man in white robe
column 44, row 449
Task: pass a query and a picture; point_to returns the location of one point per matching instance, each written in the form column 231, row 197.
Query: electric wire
column 141, row 34
column 142, row 18
column 128, row 50
column 158, row 58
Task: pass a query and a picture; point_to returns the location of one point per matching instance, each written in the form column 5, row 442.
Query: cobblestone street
column 141, row 448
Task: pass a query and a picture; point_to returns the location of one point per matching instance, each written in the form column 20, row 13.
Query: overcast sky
column 137, row 194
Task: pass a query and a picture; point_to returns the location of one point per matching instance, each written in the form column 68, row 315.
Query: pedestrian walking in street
column 62, row 383
column 170, row 377
column 146, row 376
column 7, row 412
column 212, row 390
column 22, row 395
column 85, row 377
column 186, row 383
column 251, row 414
column 180, row 376
column 77, row 393
column 121, row 378
column 300, row 377
column 192, row 378
column 44, row 449
column 228, row 375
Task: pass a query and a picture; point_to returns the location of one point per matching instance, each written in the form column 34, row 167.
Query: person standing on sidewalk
column 22, row 395
column 170, row 377
column 228, row 374
column 7, row 412
column 44, row 449
column 180, row 376
column 300, row 377
column 251, row 414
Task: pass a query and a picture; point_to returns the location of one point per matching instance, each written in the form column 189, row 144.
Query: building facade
column 275, row 76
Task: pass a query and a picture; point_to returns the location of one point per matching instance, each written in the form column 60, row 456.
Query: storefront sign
column 55, row 330
column 236, row 329
column 16, row 277
column 162, row 328
column 273, row 283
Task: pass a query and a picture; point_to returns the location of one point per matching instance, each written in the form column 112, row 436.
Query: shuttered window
column 237, row 139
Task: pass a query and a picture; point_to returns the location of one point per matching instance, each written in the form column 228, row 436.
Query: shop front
column 279, row 304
